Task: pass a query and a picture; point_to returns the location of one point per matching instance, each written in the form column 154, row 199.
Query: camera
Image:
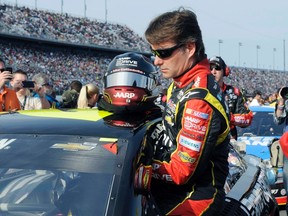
column 28, row 84
column 7, row 69
column 284, row 93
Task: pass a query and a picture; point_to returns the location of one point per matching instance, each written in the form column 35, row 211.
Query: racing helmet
column 129, row 80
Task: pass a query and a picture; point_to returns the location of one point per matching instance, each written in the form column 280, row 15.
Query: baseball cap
column 70, row 98
column 217, row 60
column 284, row 92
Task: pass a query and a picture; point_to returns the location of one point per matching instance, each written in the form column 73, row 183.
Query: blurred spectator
column 23, row 94
column 76, row 85
column 43, row 90
column 256, row 101
column 69, row 99
column 70, row 96
column 273, row 98
column 88, row 96
column 8, row 98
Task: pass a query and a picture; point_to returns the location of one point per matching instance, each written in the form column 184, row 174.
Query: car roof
column 262, row 108
column 82, row 122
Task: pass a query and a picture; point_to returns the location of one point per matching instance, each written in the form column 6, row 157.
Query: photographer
column 280, row 117
column 23, row 93
column 8, row 98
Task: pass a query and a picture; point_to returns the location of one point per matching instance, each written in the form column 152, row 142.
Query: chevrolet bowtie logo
column 86, row 146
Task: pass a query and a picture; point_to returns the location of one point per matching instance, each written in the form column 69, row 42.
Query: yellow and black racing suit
column 190, row 171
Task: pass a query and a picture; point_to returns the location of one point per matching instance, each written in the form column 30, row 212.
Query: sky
column 249, row 33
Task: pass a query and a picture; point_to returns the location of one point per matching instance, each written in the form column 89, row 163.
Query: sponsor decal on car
column 4, row 143
column 87, row 114
column 86, row 146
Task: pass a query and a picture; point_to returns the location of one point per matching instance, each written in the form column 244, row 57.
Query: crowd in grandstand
column 62, row 66
column 250, row 79
column 62, row 27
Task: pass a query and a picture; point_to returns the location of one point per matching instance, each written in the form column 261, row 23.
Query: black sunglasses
column 216, row 67
column 165, row 53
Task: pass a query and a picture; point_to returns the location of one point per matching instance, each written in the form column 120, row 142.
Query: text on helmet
column 124, row 95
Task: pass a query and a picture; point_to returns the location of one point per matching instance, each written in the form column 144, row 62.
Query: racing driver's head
column 129, row 82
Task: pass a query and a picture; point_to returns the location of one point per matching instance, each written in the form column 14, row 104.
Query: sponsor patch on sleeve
column 194, row 124
column 189, row 143
column 185, row 157
column 197, row 113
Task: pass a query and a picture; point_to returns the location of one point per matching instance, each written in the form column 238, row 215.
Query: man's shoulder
column 233, row 89
column 8, row 91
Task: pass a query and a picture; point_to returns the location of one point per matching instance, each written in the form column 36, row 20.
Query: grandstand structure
column 66, row 48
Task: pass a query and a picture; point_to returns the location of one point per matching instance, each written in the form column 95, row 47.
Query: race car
column 82, row 162
column 262, row 139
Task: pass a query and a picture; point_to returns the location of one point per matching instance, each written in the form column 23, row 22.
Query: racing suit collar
column 188, row 76
column 223, row 87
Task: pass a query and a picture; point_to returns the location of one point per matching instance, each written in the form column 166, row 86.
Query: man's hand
column 5, row 76
column 142, row 179
column 39, row 90
column 281, row 93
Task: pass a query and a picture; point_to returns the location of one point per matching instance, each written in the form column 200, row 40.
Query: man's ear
column 191, row 46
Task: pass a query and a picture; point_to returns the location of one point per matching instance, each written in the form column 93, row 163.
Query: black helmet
column 129, row 80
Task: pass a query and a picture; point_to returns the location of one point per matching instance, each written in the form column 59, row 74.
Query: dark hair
column 20, row 71
column 180, row 26
column 257, row 92
column 76, row 85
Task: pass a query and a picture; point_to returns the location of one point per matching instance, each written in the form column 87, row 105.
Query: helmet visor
column 126, row 78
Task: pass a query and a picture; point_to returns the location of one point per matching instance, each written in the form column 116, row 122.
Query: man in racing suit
column 240, row 114
column 189, row 168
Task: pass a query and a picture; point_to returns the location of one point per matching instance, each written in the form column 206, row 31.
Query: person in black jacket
column 240, row 114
